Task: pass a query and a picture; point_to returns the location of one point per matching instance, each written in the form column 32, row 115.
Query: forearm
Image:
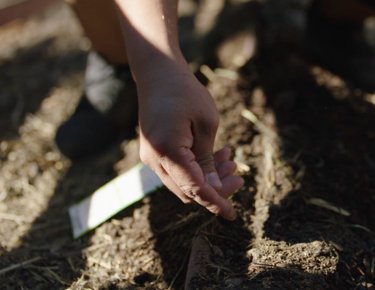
column 178, row 117
column 150, row 32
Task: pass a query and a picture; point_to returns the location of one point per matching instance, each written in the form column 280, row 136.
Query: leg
column 108, row 107
column 99, row 19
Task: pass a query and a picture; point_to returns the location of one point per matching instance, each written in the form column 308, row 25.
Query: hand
column 178, row 124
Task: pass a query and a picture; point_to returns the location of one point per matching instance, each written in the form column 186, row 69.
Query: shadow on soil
column 50, row 239
column 28, row 78
column 329, row 135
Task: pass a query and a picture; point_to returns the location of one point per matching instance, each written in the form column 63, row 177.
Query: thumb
column 203, row 151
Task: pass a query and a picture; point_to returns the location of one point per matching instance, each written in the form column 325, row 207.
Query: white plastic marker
column 111, row 198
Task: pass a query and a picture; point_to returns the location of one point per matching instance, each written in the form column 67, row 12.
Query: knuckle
column 183, row 198
column 206, row 161
column 190, row 191
column 213, row 209
column 186, row 201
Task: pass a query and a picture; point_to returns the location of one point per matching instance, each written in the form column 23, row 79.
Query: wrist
column 159, row 69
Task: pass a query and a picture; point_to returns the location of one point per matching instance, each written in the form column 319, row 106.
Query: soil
column 302, row 136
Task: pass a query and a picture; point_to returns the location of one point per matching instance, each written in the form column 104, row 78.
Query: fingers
column 215, row 203
column 221, row 155
column 231, row 184
column 226, row 168
column 204, row 136
column 188, row 175
column 172, row 186
column 191, row 179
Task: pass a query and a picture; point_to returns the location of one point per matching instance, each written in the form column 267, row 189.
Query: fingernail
column 214, row 180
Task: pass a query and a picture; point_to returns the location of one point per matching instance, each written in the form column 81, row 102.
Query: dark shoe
column 106, row 113
column 345, row 49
